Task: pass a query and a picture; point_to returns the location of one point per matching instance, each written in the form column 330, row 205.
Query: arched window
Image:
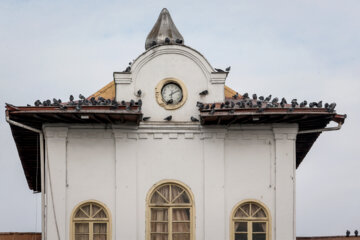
column 250, row 221
column 90, row 221
column 170, row 213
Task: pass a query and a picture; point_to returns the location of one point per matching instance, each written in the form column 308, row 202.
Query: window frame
column 107, row 220
column 250, row 220
column 170, row 208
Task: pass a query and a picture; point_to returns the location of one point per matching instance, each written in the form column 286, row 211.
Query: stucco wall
column 221, row 166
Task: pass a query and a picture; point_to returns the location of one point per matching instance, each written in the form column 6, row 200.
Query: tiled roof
column 108, row 92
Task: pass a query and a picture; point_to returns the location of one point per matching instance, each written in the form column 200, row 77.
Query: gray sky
column 304, row 49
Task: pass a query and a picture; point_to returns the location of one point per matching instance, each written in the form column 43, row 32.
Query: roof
column 108, row 91
column 101, row 108
column 20, row 236
column 164, row 31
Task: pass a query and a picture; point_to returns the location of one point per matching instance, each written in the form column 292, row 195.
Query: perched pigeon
column 194, row 119
column 168, row 118
column 203, row 93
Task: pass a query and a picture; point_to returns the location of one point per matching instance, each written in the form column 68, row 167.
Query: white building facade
column 177, row 179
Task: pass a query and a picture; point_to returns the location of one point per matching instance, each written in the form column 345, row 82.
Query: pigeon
column 28, row 105
column 347, row 233
column 222, row 105
column 303, row 104
column 259, row 104
column 212, row 111
column 128, row 69
column 37, row 103
column 207, row 106
column 168, row 118
column 153, row 43
column 167, row 40
column 254, row 96
column 146, row 118
column 138, row 93
column 219, row 70
column 261, row 98
column 232, row 104
column 114, row 105
column 331, row 107
column 268, row 98
column 312, row 104
column 179, row 41
column 245, row 95
column 139, row 103
column 319, row 104
column 228, row 69
column 81, row 97
column 194, row 119
column 203, row 93
column 356, row 232
column 78, row 108
column 123, row 102
column 71, row 98
column 213, row 106
column 275, row 100
column 235, row 96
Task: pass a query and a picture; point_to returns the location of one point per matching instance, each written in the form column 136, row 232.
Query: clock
column 171, row 93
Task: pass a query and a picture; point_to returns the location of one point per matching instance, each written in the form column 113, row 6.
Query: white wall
column 221, row 167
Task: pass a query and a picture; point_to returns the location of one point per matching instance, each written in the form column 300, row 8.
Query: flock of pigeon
column 100, row 101
column 261, row 103
column 240, row 102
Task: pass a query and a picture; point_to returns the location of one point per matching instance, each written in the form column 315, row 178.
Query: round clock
column 171, row 93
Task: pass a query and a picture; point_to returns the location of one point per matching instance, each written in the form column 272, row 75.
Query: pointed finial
column 164, row 31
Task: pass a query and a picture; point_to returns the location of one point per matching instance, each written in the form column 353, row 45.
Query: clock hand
column 173, row 92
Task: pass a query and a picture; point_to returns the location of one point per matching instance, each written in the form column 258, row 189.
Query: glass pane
column 100, row 214
column 243, row 211
column 165, row 191
column 159, row 236
column 80, row 214
column 159, row 214
column 81, row 236
column 99, row 228
column 259, row 227
column 259, row 236
column 183, row 198
column 241, row 227
column 181, row 227
column 181, row 214
column 159, row 227
column 260, row 214
column 241, row 236
column 95, row 208
column 81, row 227
column 254, row 208
column 86, row 209
column 99, row 236
column 181, row 236
column 175, row 191
column 157, row 199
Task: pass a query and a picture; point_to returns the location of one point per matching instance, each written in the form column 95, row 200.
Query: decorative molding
column 185, row 51
column 218, row 78
column 122, row 78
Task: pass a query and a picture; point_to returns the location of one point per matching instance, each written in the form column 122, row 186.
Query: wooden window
column 170, row 213
column 250, row 221
column 90, row 221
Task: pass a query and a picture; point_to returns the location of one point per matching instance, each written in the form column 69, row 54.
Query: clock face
column 171, row 93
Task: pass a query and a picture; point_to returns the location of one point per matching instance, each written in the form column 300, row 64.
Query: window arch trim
column 268, row 218
column 77, row 207
column 191, row 205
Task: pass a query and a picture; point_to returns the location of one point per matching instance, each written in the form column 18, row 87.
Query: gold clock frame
column 161, row 101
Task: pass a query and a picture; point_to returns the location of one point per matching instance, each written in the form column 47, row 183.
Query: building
column 167, row 151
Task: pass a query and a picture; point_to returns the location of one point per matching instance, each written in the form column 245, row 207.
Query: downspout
column 338, row 127
column 42, row 167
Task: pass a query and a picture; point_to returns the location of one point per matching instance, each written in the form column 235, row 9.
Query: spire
column 164, row 28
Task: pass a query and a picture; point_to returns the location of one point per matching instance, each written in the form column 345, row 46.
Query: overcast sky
column 305, row 49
